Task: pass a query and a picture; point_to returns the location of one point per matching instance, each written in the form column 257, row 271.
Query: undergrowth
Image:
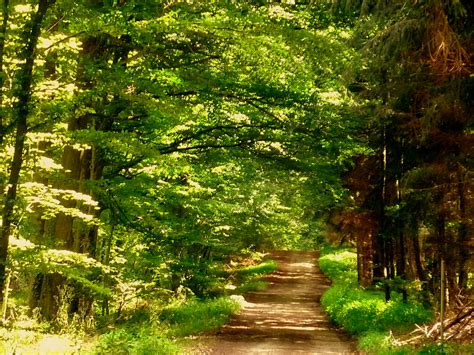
column 249, row 278
column 196, row 316
column 157, row 334
column 265, row 267
column 155, row 326
column 136, row 340
column 362, row 312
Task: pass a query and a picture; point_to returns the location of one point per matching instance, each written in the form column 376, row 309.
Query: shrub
column 365, row 312
column 378, row 342
column 339, row 266
column 265, row 267
column 198, row 316
column 145, row 339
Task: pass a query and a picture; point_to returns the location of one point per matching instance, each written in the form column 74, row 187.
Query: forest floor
column 286, row 318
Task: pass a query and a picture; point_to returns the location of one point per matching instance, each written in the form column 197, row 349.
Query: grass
column 251, row 285
column 249, row 277
column 265, row 267
column 152, row 329
column 136, row 340
column 197, row 316
column 30, row 337
column 157, row 332
column 365, row 313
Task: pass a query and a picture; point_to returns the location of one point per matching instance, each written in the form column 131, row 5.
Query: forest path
column 286, row 318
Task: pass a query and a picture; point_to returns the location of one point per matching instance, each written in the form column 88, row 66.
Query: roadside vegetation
column 144, row 143
column 158, row 326
column 377, row 324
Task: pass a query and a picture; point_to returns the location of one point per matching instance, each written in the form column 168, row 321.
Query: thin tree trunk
column 463, row 238
column 417, row 254
column 3, row 36
column 21, row 112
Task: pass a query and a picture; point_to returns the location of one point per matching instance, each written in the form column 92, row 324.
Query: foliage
column 248, row 278
column 198, row 316
column 251, row 285
column 143, row 340
column 365, row 312
column 151, row 141
column 265, row 267
column 361, row 310
column 377, row 342
column 339, row 264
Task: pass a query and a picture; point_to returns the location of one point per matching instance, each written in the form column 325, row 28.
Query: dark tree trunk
column 365, row 236
column 68, row 234
column 379, row 255
column 21, row 112
column 415, row 239
column 82, row 165
column 463, row 237
column 440, row 235
column 3, row 35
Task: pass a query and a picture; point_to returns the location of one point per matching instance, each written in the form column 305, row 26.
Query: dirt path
column 284, row 319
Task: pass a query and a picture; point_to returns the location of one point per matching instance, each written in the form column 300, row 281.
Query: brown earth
column 286, row 318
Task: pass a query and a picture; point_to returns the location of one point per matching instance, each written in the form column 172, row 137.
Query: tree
column 420, row 133
column 21, row 112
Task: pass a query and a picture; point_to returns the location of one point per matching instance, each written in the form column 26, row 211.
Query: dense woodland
column 145, row 143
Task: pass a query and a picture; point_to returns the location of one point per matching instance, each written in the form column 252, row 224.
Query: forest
column 151, row 150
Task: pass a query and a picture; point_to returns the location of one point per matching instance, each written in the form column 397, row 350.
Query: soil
column 286, row 318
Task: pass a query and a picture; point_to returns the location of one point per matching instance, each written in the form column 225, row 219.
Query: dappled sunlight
column 28, row 341
column 304, row 265
column 286, row 317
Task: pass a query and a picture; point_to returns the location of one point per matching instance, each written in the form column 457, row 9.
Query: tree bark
column 3, row 36
column 20, row 115
column 463, row 237
column 82, row 166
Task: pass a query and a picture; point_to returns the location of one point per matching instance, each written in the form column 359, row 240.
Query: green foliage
column 339, row 264
column 251, row 285
column 365, row 312
column 446, row 348
column 376, row 342
column 380, row 343
column 78, row 267
column 265, row 267
column 360, row 310
column 143, row 340
column 198, row 316
column 248, row 278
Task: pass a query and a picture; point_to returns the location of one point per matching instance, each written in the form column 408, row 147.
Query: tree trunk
column 365, row 236
column 21, row 112
column 82, row 166
column 463, row 237
column 70, row 234
column 3, row 35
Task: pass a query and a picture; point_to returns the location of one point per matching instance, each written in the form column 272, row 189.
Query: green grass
column 153, row 329
column 249, row 278
column 359, row 310
column 137, row 340
column 251, row 285
column 339, row 265
column 197, row 316
column 157, row 334
column 365, row 313
column 265, row 267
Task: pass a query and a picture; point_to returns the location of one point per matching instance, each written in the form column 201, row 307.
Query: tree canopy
column 144, row 143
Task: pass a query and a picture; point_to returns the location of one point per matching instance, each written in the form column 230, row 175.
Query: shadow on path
column 286, row 318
